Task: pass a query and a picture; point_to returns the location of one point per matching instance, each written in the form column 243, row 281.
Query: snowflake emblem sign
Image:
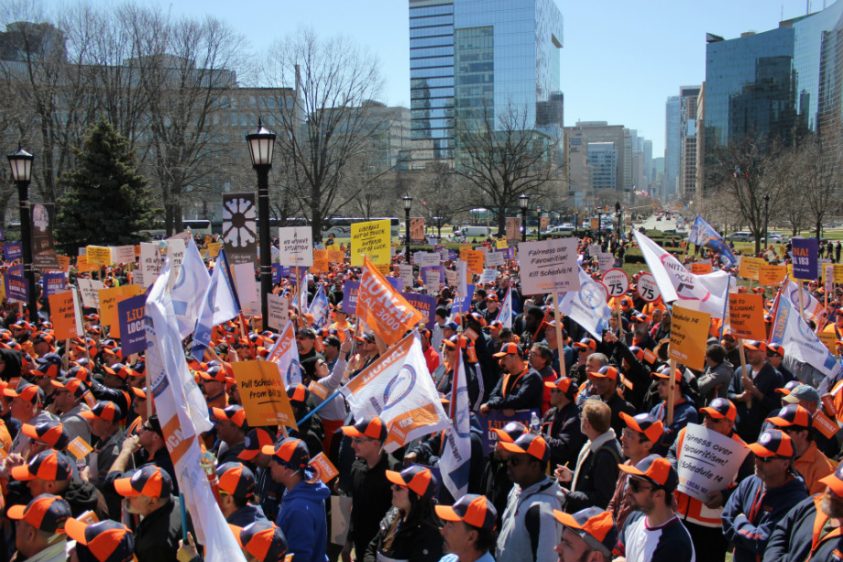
column 239, row 224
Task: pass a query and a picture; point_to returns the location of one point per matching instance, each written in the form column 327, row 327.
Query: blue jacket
column 683, row 414
column 793, row 537
column 303, row 521
column 749, row 527
column 246, row 515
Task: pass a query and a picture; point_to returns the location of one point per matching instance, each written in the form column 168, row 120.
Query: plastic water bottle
column 535, row 424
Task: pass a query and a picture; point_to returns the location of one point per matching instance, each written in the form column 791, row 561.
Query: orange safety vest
column 820, row 520
column 506, row 387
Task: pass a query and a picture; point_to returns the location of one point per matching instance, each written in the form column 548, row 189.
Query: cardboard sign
column 214, row 249
column 605, row 261
column 548, row 266
column 616, row 281
column 405, row 273
column 746, row 316
column 246, row 287
column 838, row 273
column 320, row 262
column 99, row 256
column 688, row 335
column 53, row 282
column 63, row 315
column 749, row 267
column 150, row 263
column 132, row 330
column 123, row 254
column 64, row 262
column 701, row 268
column 295, row 244
column 474, row 260
column 17, row 289
column 12, row 251
column 426, row 304
column 278, row 311
column 771, row 274
column 424, row 259
column 805, row 256
column 79, row 448
column 382, row 308
column 513, row 228
column 370, row 240
column 325, row 469
column 647, row 287
column 263, row 394
column 708, row 461
column 417, row 229
column 494, row 259
column 501, row 244
column 109, row 298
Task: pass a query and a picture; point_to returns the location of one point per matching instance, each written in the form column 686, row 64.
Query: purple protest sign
column 396, row 282
column 16, row 289
column 495, row 419
column 132, row 332
column 805, row 256
column 426, row 304
column 53, row 282
column 12, row 251
column 463, row 304
column 423, row 272
column 349, row 296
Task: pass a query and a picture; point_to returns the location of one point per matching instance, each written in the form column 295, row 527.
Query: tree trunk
column 501, row 221
column 316, row 221
column 819, row 230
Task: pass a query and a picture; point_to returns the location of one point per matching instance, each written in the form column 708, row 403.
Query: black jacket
column 371, row 498
column 596, row 478
column 750, row 419
column 521, row 393
column 561, row 429
column 416, row 540
column 157, row 535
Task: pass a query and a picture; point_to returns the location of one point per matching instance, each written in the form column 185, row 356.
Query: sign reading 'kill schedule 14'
column 370, row 239
column 688, row 335
column 548, row 266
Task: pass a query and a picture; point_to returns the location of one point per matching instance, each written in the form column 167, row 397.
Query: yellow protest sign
column 501, row 244
column 98, row 255
column 829, row 339
column 750, row 266
column 63, row 315
column 263, row 394
column 688, row 335
column 370, row 239
column 771, row 274
column 214, row 249
column 838, row 273
column 746, row 316
column 320, row 261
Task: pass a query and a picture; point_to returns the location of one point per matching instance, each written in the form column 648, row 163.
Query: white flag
column 455, row 462
column 706, row 293
column 184, row 415
column 399, row 389
column 189, row 289
column 813, row 309
column 799, row 341
column 285, row 354
column 587, row 306
column 505, row 313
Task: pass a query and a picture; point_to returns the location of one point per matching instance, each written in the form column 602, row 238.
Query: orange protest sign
column 83, row 266
column 335, row 256
column 325, row 469
column 417, row 229
column 109, row 298
column 63, row 315
column 64, row 262
column 746, row 316
column 474, row 260
column 771, row 274
column 750, row 266
column 320, row 261
column 688, row 335
column 701, row 268
column 263, row 394
column 829, row 339
column 383, row 308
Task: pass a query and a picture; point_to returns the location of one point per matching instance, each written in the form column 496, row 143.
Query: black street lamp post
column 408, row 204
column 524, row 202
column 538, row 223
column 21, row 164
column 261, row 144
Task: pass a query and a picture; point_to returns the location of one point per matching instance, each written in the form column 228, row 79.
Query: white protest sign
column 451, row 277
column 295, row 244
column 278, row 311
column 462, row 278
column 828, row 278
column 247, row 287
column 150, row 263
column 175, row 253
column 494, row 259
column 423, row 259
column 89, row 290
column 605, row 261
column 123, row 254
column 405, row 273
column 708, row 461
column 593, row 250
column 616, row 281
column 431, row 281
column 488, row 275
column 77, row 309
column 549, row 265
column 647, row 287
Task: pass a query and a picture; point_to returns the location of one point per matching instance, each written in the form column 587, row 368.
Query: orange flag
column 383, row 308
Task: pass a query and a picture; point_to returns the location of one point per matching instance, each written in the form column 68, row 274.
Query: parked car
column 742, row 236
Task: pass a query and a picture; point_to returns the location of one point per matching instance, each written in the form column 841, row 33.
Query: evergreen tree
column 105, row 201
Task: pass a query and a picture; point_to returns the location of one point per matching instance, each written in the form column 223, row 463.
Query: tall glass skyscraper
column 478, row 59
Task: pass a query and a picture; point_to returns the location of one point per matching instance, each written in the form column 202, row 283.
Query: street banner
column 708, row 461
column 769, row 275
column 647, row 288
column 240, row 227
column 746, row 316
column 750, row 266
column 130, row 313
column 63, row 315
column 99, row 256
column 370, row 240
column 285, row 354
column 688, row 335
column 382, row 308
column 417, row 229
column 278, row 309
column 704, row 292
column 805, row 257
column 587, row 305
column 799, row 341
column 426, row 304
column 183, row 414
column 398, row 388
column 549, row 265
column 616, row 281
column 513, row 229
column 53, row 282
column 264, row 396
column 295, row 245
column 89, row 291
column 43, row 251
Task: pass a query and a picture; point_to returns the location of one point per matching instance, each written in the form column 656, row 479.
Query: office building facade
column 672, row 149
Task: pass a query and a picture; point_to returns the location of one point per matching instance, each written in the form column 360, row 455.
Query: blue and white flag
column 319, row 308
column 220, row 305
column 703, row 234
column 189, row 290
column 798, row 340
column 301, row 283
column 455, row 462
column 587, row 306
column 505, row 313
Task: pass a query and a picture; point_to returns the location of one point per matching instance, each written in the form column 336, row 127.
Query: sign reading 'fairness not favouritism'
column 548, row 266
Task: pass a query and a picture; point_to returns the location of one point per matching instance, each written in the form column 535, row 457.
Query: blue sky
column 621, row 58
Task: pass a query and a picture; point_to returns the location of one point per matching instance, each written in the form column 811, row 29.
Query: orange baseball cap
column 255, row 440
column 373, row 428
column 565, row 385
column 773, row 443
column 107, row 541
column 793, row 415
column 529, row 444
column 471, row 509
column 235, row 479
column 149, row 480
column 104, row 410
column 645, row 424
column 586, row 344
column 235, row 414
column 510, row 432
column 262, row 539
column 594, row 526
column 606, row 372
column 755, row 345
column 47, row 465
column 655, row 469
column 50, row 432
column 721, row 408
column 290, row 452
column 664, row 373
column 415, row 477
column 45, row 512
column 508, row 349
column 835, row 481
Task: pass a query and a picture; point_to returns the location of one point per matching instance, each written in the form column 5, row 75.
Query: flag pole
column 557, row 320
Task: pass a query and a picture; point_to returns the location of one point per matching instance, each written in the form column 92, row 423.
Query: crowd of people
column 591, row 474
